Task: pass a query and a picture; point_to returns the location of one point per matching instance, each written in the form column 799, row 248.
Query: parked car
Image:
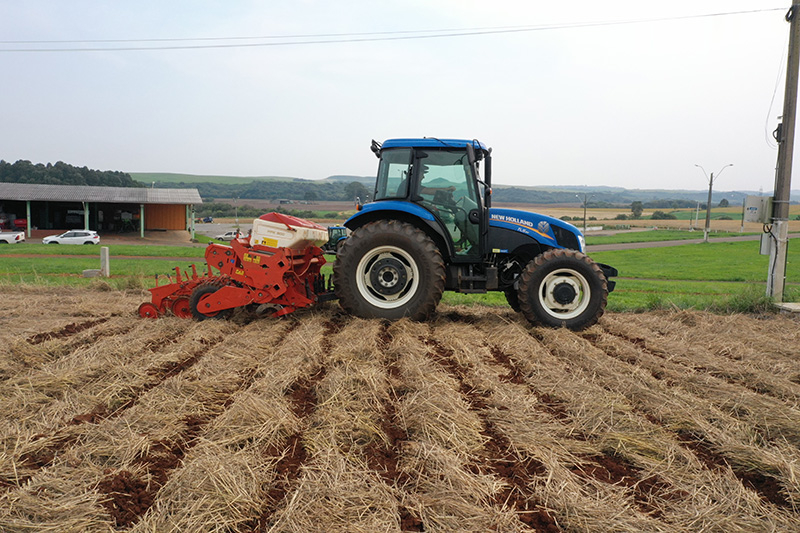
column 208, row 220
column 77, row 236
column 228, row 235
column 12, row 237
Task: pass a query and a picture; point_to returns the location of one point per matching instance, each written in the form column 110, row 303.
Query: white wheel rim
column 387, row 277
column 563, row 280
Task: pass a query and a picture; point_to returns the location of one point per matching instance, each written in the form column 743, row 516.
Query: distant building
column 103, row 209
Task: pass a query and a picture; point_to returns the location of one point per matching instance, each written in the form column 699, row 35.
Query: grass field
column 657, row 235
column 320, row 422
column 715, row 276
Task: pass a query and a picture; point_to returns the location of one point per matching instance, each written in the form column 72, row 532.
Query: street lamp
column 708, row 204
column 236, row 212
column 586, row 198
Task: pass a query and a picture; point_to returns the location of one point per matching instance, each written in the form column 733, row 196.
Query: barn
column 103, row 209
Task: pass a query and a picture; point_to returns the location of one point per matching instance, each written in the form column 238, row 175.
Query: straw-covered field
column 476, row 421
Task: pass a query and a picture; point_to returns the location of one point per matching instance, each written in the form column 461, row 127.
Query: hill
column 147, row 178
column 332, row 188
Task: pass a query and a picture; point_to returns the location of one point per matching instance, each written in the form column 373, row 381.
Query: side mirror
column 471, row 154
column 376, row 148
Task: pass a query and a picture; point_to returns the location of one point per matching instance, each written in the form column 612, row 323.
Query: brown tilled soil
column 475, row 421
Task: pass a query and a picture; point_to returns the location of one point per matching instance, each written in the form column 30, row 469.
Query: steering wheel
column 444, row 198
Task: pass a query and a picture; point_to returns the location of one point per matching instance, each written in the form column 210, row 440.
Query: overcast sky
column 566, row 101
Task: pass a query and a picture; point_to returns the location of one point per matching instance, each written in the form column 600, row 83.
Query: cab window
column 393, row 174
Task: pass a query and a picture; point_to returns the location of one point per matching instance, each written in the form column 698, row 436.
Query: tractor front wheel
column 563, row 288
column 389, row 269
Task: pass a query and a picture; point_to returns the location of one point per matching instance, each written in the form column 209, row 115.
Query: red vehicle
column 277, row 267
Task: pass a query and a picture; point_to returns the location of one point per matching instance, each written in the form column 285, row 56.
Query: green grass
column 125, row 273
column 657, row 235
column 723, row 277
column 723, row 261
column 51, row 264
column 643, row 295
column 632, row 295
column 113, row 250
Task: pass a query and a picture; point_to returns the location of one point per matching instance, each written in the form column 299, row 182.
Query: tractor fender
column 405, row 212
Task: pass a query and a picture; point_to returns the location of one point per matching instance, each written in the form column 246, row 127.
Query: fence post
column 105, row 266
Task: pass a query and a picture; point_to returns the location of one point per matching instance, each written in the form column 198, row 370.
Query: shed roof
column 86, row 193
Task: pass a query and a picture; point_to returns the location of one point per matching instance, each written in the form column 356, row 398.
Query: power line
column 332, row 38
column 767, row 135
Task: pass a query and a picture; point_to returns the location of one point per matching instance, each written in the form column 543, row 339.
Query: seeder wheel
column 196, row 306
column 181, row 307
column 148, row 310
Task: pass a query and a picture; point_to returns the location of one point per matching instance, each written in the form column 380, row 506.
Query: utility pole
column 741, row 228
column 779, row 230
column 708, row 204
column 586, row 198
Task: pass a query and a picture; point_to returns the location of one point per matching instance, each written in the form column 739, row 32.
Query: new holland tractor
column 431, row 228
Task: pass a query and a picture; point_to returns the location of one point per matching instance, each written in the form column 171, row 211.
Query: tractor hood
column 544, row 229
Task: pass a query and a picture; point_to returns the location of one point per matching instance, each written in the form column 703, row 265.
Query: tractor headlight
column 582, row 242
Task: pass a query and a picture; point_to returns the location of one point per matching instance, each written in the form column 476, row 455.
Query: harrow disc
column 148, row 310
column 181, row 307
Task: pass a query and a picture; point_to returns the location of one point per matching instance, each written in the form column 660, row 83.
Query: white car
column 76, row 236
column 12, row 237
column 229, row 235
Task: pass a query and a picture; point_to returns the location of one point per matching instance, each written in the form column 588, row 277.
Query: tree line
column 63, row 174
column 273, row 190
column 220, row 210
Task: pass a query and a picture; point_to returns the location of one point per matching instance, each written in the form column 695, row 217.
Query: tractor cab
column 442, row 177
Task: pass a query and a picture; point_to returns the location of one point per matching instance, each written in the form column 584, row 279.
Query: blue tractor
column 430, row 228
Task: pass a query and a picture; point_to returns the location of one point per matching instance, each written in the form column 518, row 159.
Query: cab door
column 445, row 186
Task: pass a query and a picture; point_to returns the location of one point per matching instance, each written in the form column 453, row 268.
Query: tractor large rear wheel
column 563, row 288
column 389, row 269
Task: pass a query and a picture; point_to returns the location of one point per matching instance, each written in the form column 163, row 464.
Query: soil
column 648, row 422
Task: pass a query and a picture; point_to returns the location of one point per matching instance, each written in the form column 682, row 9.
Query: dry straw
column 323, row 422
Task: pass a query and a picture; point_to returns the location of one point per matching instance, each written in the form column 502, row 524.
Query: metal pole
column 584, row 216
column 586, row 198
column 776, row 278
column 741, row 228
column 708, row 208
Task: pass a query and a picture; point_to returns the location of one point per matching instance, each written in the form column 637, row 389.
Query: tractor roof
column 432, row 142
